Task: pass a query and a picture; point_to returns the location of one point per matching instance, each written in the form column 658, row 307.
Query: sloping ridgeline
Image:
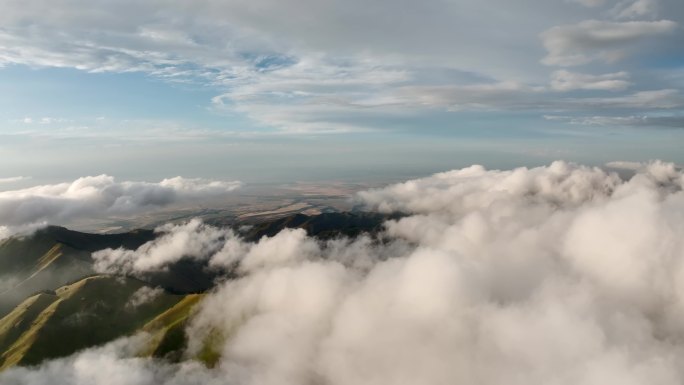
column 52, row 303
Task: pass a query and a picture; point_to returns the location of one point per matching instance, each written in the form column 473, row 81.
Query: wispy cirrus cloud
column 636, row 9
column 271, row 79
column 598, row 40
column 673, row 121
column 13, row 179
column 643, row 100
column 342, row 78
column 569, row 81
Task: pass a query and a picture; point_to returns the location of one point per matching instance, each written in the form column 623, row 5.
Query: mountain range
column 53, row 303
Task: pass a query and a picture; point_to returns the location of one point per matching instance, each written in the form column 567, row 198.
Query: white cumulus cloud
column 100, row 196
column 144, row 295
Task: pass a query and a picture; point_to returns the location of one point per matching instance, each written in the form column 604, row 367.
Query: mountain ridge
column 53, row 303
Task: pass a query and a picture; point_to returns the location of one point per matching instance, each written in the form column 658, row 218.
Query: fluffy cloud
column 220, row 248
column 112, row 363
column 590, row 40
column 26, row 229
column 564, row 274
column 460, row 191
column 192, row 240
column 99, row 196
column 515, row 274
column 144, row 295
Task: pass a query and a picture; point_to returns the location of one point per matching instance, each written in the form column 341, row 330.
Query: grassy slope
column 168, row 329
column 16, row 352
column 93, row 311
column 50, row 258
column 58, row 266
column 22, row 318
column 20, row 255
column 87, row 313
column 55, row 256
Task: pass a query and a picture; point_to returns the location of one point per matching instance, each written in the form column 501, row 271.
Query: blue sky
column 273, row 91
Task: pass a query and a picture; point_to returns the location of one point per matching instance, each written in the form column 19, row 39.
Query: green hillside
column 168, row 329
column 50, row 258
column 22, row 318
column 87, row 313
column 55, row 256
column 53, row 304
column 20, row 255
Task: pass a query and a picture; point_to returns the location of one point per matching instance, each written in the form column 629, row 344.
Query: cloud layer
column 562, row 274
column 98, row 197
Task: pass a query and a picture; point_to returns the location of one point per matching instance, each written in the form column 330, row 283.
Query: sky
column 286, row 90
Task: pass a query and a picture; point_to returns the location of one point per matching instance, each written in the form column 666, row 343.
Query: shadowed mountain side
column 52, row 257
column 22, row 318
column 56, row 256
column 323, row 226
column 191, row 276
column 60, row 265
column 20, row 253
